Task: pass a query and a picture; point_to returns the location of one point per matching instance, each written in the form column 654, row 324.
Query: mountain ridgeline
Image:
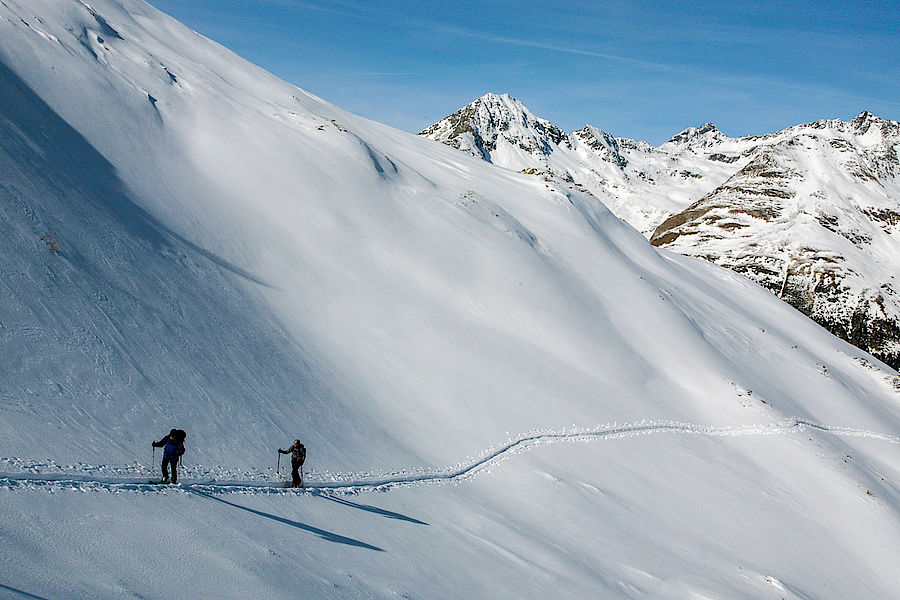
column 811, row 212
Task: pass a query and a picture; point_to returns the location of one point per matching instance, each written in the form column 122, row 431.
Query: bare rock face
column 815, row 218
column 756, row 192
column 811, row 212
column 498, row 128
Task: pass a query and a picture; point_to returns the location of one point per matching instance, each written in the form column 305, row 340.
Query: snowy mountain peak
column 603, row 143
column 499, row 128
column 599, row 136
column 699, row 137
column 498, row 107
column 865, row 122
column 864, row 130
column 502, row 103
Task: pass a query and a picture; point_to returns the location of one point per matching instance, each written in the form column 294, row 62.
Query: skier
column 298, row 456
column 174, row 448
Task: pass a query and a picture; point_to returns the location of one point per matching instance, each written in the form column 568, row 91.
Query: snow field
column 245, row 261
column 639, row 511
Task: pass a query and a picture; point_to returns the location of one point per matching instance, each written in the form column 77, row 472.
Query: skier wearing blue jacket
column 173, row 445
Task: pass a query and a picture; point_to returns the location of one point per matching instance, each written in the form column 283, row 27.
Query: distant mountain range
column 811, row 212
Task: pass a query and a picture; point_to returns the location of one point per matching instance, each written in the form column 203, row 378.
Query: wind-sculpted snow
column 49, row 475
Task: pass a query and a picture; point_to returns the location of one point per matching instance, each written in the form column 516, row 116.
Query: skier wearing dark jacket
column 173, row 445
column 298, row 455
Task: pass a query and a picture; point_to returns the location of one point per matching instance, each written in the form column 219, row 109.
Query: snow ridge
column 351, row 483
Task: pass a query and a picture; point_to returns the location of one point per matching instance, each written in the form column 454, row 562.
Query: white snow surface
column 231, row 255
column 811, row 212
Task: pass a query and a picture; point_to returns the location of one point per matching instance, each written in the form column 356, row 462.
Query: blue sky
column 641, row 69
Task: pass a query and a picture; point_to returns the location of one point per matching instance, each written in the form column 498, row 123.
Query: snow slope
column 236, row 257
column 811, row 212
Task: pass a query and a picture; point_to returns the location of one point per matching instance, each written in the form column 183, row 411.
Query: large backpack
column 302, row 454
column 171, row 450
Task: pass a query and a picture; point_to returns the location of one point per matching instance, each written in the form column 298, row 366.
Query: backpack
column 172, row 450
column 176, row 449
column 301, row 454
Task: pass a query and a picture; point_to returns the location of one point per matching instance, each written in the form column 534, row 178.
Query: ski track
column 351, row 483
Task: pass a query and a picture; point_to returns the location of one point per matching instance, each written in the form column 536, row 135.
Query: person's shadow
column 20, row 592
column 325, row 535
column 366, row 507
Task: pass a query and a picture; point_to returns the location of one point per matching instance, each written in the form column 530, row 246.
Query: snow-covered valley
column 504, row 390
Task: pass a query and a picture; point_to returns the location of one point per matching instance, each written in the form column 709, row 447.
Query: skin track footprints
column 352, row 483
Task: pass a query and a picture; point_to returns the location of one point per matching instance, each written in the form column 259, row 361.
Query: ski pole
column 278, row 468
column 301, row 477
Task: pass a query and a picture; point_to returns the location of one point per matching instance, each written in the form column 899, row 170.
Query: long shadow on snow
column 367, row 508
column 21, row 593
column 38, row 137
column 325, row 535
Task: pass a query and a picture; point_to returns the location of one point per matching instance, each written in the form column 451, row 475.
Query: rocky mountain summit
column 811, row 212
column 499, row 128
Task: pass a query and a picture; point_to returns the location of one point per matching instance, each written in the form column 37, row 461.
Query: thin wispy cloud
column 555, row 48
column 370, row 74
column 699, row 73
column 349, row 12
column 646, row 64
column 399, row 21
